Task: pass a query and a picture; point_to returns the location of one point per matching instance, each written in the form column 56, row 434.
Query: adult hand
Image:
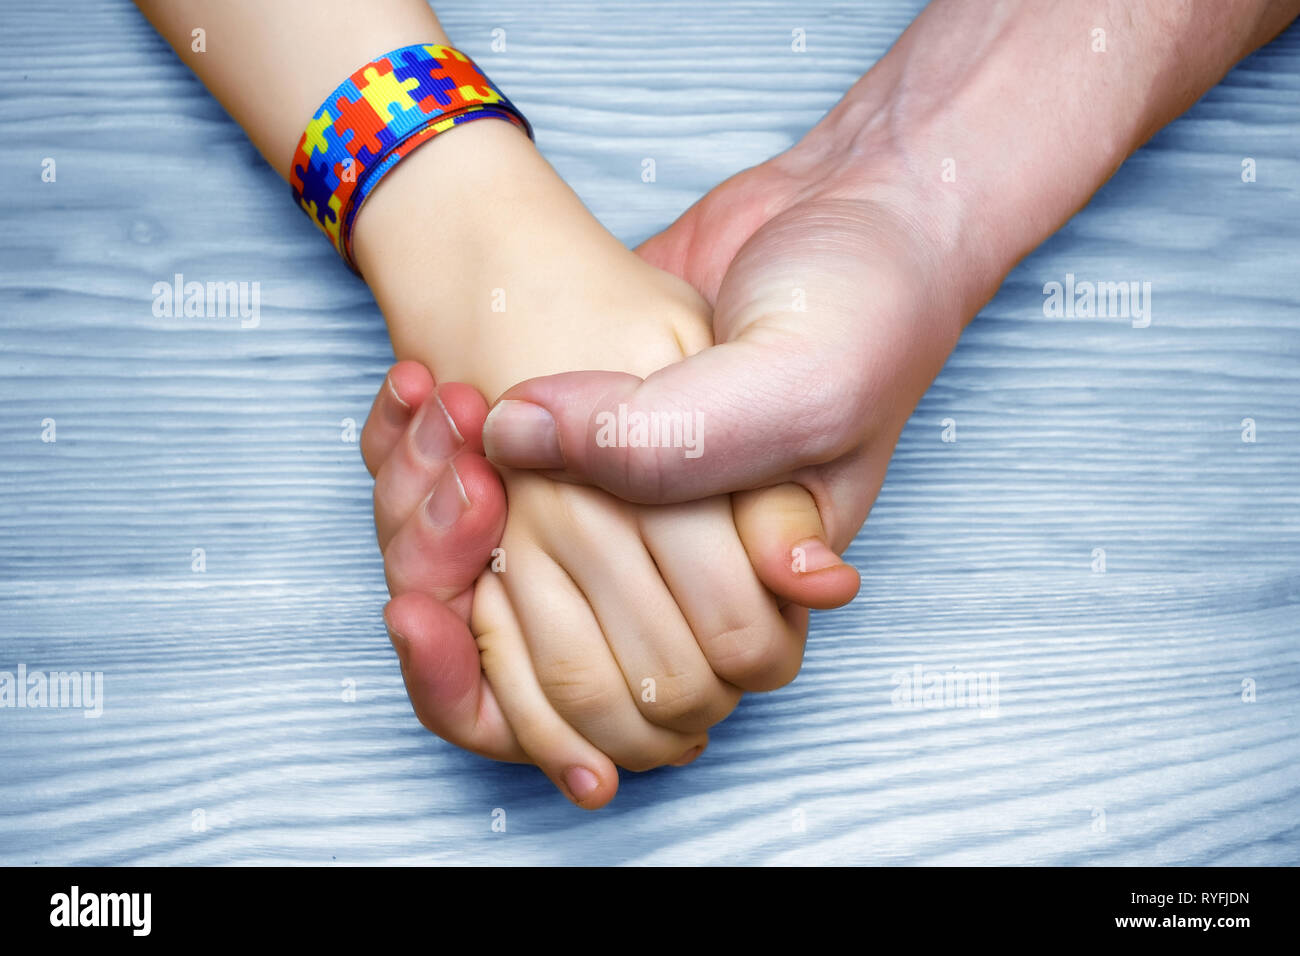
column 832, row 317
column 842, row 272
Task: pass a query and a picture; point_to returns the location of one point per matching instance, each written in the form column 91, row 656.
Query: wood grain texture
column 1119, row 693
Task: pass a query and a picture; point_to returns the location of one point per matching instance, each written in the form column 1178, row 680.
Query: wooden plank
column 1120, row 694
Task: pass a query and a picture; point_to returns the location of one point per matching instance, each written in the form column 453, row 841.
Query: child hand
column 613, row 631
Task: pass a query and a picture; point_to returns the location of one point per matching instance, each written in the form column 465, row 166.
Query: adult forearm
column 1004, row 118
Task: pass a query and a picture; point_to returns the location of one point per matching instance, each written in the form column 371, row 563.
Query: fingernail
column 522, row 435
column 687, row 757
column 448, row 500
column 582, row 783
column 397, row 410
column 436, row 435
column 814, row 555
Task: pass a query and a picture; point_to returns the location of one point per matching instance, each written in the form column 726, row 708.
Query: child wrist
column 381, row 114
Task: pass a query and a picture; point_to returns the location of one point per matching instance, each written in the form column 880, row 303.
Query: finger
column 447, row 541
column 444, row 680
column 405, row 388
column 415, row 466
column 577, row 670
column 650, row 649
column 737, row 415
column 782, row 531
column 579, row 770
column 737, row 623
column 467, row 409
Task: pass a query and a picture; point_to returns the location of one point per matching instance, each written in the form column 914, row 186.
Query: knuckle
column 494, row 653
column 688, row 704
column 754, row 657
column 368, row 456
column 640, row 476
column 580, row 694
column 570, row 511
column 383, row 503
column 426, row 721
column 399, row 574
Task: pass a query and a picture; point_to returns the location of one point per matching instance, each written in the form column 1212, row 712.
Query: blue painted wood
column 1120, row 736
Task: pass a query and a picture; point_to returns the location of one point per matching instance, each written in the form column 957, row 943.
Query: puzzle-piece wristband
column 379, row 115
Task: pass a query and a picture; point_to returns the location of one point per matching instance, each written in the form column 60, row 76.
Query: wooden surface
column 1120, row 693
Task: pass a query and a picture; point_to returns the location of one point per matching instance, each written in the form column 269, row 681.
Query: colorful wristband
column 381, row 114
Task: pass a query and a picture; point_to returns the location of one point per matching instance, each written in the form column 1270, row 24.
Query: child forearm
column 271, row 64
column 431, row 238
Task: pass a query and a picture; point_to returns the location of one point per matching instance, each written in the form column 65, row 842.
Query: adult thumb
column 743, row 414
